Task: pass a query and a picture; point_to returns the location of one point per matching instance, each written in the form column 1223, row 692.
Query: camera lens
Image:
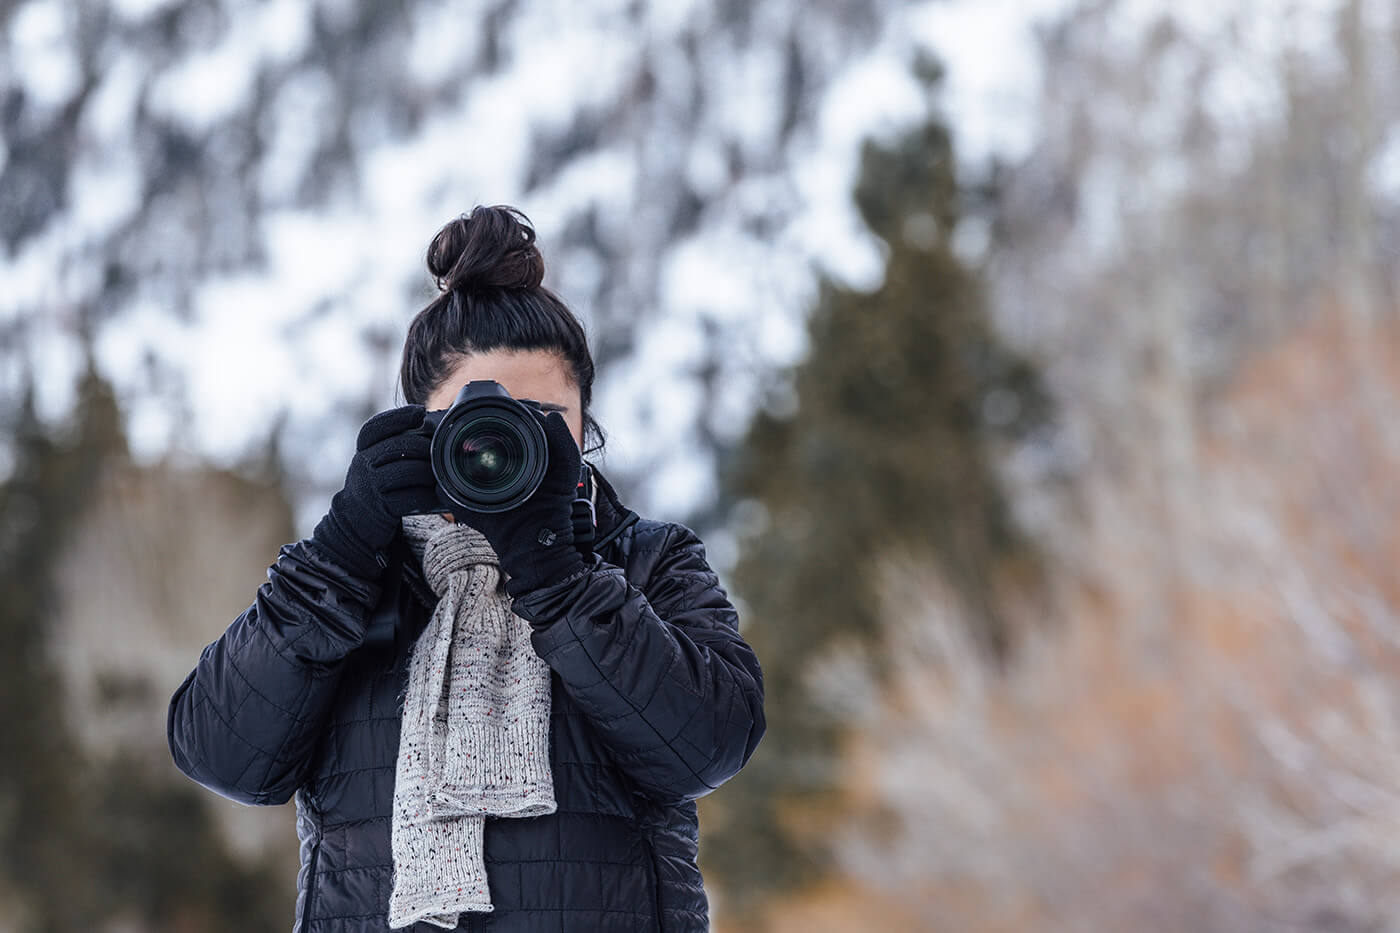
column 489, row 454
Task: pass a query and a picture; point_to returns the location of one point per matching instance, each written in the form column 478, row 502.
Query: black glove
column 390, row 475
column 535, row 540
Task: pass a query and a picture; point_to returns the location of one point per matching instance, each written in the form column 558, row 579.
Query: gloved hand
column 535, row 540
column 390, row 475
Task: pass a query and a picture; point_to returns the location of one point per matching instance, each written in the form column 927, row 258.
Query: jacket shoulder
column 649, row 534
column 652, row 543
column 650, row 537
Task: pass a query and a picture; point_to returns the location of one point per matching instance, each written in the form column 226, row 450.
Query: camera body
column 489, row 449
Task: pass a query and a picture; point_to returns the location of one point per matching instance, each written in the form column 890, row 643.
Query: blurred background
column 1029, row 368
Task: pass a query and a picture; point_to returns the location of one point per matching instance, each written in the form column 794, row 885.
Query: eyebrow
column 554, row 406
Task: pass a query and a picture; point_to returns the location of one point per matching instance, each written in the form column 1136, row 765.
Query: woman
column 327, row 687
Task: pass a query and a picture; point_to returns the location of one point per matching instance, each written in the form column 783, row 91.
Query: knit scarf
column 475, row 730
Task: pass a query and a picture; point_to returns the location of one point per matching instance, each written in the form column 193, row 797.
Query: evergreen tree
column 889, row 451
column 86, row 841
column 42, row 833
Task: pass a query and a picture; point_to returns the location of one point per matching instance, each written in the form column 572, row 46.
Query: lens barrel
column 489, row 450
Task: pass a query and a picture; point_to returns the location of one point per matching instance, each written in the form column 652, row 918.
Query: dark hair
column 489, row 271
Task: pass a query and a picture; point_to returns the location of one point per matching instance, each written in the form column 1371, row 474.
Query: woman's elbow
column 219, row 760
column 736, row 746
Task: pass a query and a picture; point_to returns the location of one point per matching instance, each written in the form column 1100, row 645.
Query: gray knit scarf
column 475, row 733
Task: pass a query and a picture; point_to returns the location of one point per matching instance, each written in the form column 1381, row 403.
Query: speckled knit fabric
column 475, row 734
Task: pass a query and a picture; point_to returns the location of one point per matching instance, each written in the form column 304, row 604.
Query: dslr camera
column 489, row 450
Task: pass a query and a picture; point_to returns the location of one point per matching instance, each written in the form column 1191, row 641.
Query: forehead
column 538, row 374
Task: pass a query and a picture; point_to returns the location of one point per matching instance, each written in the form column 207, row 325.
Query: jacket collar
column 612, row 516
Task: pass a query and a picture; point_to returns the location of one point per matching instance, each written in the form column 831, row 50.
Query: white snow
column 42, row 54
column 290, row 336
column 210, row 85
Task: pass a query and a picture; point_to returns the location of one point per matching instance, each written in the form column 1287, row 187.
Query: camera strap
column 585, row 527
column 585, row 518
column 629, row 519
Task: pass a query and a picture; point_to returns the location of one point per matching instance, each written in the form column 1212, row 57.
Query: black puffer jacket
column 656, row 701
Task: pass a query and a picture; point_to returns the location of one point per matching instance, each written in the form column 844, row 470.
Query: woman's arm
column 663, row 674
column 245, row 721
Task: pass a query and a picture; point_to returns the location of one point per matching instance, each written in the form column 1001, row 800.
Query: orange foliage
column 1209, row 736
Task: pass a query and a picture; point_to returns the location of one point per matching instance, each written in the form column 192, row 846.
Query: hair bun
column 493, row 247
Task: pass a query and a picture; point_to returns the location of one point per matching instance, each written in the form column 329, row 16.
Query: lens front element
column 490, row 454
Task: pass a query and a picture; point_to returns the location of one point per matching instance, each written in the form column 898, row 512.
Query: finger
column 565, row 460
column 402, row 474
column 388, row 423
column 415, row 499
column 401, row 447
column 560, row 437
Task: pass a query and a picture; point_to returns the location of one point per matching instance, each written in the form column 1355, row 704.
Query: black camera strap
column 585, row 519
column 585, row 527
column 629, row 519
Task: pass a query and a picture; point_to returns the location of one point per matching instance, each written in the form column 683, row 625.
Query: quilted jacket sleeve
column 246, row 719
column 663, row 674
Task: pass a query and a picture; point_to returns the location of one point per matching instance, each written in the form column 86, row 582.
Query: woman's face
column 536, row 374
